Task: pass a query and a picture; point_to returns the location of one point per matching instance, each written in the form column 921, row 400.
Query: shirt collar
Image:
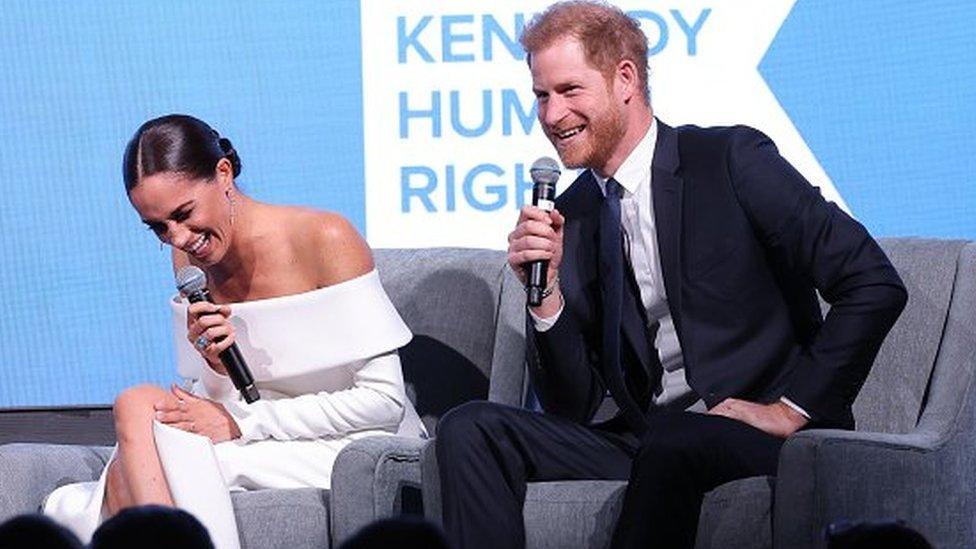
column 636, row 167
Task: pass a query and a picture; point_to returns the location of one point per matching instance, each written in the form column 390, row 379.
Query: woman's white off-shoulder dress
column 325, row 363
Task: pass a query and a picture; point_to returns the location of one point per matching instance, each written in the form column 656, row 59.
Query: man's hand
column 538, row 235
column 197, row 415
column 777, row 418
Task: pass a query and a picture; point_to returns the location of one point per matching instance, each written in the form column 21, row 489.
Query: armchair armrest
column 830, row 475
column 433, row 509
column 367, row 481
column 29, row 472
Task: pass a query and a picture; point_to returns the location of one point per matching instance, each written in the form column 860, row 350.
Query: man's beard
column 605, row 133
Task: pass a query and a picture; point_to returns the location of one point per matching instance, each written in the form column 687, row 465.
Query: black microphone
column 192, row 283
column 544, row 173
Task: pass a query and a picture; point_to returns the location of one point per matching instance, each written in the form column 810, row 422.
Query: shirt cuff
column 795, row 407
column 543, row 324
column 247, row 417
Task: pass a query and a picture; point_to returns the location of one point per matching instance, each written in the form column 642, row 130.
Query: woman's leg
column 117, row 496
column 137, row 477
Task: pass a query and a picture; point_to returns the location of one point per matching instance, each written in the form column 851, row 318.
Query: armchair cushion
column 29, row 472
column 282, row 518
column 584, row 513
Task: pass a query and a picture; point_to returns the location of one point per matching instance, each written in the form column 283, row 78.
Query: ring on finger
column 202, row 342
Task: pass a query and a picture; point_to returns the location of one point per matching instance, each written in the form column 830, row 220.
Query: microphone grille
column 190, row 279
column 545, row 170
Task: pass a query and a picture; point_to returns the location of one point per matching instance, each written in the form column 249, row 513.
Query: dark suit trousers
column 487, row 453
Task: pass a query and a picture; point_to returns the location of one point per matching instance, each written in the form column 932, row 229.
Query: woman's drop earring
column 230, row 200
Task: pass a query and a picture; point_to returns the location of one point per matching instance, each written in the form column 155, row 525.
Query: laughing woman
column 297, row 291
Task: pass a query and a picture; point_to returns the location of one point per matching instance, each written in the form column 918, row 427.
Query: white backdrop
column 449, row 127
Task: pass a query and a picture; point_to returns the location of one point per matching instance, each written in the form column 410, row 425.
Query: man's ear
column 627, row 83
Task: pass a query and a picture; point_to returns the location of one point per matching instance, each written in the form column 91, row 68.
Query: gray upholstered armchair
column 913, row 456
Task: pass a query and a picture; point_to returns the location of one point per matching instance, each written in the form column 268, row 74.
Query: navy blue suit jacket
column 745, row 243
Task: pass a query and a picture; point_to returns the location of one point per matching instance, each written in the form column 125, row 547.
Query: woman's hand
column 209, row 330
column 200, row 416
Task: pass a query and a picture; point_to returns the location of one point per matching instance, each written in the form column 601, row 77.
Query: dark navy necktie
column 612, row 286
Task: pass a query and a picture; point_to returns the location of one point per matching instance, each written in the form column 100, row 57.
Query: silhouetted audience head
column 890, row 534
column 152, row 526
column 402, row 532
column 36, row 531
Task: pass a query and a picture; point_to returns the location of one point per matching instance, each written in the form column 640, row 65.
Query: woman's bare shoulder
column 336, row 248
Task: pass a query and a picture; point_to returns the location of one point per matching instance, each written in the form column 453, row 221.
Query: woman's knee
column 134, row 408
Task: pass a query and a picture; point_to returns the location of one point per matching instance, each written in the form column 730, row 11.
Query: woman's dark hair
column 176, row 143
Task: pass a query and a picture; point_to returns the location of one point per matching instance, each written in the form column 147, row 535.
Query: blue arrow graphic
column 884, row 95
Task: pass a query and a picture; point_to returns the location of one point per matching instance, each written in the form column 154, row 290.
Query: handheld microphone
column 544, row 173
column 192, row 283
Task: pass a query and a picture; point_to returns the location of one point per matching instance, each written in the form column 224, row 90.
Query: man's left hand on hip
column 776, row 419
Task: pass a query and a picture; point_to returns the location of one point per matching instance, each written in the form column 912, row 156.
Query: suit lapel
column 584, row 281
column 578, row 272
column 666, row 189
column 633, row 322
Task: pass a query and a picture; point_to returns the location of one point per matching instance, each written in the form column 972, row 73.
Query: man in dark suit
column 684, row 266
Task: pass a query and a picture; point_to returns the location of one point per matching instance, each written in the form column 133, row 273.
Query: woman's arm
column 376, row 400
column 332, row 252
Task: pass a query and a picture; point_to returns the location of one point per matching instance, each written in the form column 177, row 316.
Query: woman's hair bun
column 176, row 143
column 230, row 154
